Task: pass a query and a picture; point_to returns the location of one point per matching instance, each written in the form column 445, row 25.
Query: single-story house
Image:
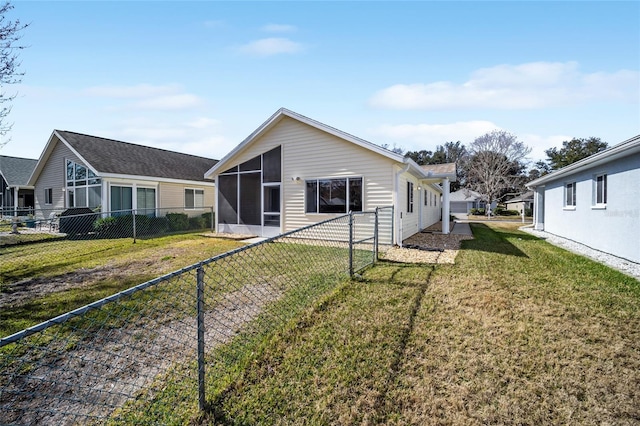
column 521, row 202
column 77, row 170
column 594, row 201
column 16, row 195
column 293, row 171
column 463, row 200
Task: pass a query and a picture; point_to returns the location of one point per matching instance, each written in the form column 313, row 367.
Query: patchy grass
column 518, row 332
column 60, row 276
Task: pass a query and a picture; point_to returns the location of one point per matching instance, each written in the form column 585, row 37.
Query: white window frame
column 348, row 195
column 569, row 204
column 602, row 203
column 409, row 197
column 195, row 205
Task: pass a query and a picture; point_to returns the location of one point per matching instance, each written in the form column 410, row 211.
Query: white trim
column 184, row 198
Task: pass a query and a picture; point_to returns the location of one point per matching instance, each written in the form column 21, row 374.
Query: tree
column 10, row 34
column 574, row 150
column 496, row 164
column 450, row 152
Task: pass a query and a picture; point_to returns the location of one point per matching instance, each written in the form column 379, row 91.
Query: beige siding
column 309, row 153
column 53, row 176
column 171, row 195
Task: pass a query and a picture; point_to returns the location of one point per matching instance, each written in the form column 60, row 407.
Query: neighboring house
column 595, row 201
column 77, row 170
column 293, row 171
column 521, row 202
column 463, row 200
column 16, row 195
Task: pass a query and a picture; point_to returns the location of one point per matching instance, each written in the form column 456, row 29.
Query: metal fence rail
column 160, row 351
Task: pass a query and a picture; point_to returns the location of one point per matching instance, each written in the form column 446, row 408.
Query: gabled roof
column 111, row 158
column 283, row 112
column 16, row 171
column 440, row 169
column 623, row 149
column 464, row 195
column 527, row 196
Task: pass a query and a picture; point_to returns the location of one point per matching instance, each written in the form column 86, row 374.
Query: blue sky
column 199, row 77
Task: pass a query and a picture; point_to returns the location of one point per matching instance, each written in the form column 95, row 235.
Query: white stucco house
column 595, row 201
column 293, row 171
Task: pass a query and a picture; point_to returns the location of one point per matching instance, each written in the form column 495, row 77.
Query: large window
column 193, row 198
column 570, row 194
column 333, row 195
column 146, row 201
column 84, row 188
column 121, row 199
column 600, row 189
column 409, row 197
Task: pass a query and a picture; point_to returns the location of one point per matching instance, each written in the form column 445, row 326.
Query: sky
column 200, row 77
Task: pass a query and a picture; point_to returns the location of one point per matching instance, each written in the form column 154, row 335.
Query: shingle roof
column 16, row 171
column 116, row 157
column 526, row 196
column 440, row 168
column 464, row 195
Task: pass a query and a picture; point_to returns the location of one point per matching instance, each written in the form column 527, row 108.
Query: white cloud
column 131, row 92
column 170, row 102
column 525, row 86
column 271, row 46
column 416, row 137
column 279, row 28
column 202, row 122
column 539, row 144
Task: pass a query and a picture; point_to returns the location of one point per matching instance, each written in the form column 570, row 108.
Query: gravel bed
column 625, row 266
column 433, row 248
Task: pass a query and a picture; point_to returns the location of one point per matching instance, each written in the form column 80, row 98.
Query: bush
column 105, row 225
column 197, row 222
column 177, row 221
column 477, row 212
column 498, row 211
column 209, row 218
column 528, row 212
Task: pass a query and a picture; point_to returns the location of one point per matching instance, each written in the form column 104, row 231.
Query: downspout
column 16, row 189
column 398, row 218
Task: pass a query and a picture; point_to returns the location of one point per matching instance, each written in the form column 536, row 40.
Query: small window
column 193, row 198
column 48, row 196
column 570, row 194
column 409, row 197
column 425, row 196
column 601, row 189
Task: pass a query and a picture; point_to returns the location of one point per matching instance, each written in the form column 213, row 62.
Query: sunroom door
column 271, row 209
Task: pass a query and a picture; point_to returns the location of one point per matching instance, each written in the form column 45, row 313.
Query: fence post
column 351, row 244
column 200, row 320
column 133, row 212
column 213, row 222
column 375, row 237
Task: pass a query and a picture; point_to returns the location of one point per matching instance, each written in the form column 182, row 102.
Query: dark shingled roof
column 16, row 171
column 111, row 156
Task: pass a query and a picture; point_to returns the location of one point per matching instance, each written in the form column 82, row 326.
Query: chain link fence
column 160, row 352
column 83, row 223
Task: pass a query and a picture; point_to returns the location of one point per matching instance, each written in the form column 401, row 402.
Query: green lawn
column 517, row 332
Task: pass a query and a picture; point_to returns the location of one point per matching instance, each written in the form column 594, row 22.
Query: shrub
column 77, row 221
column 510, row 213
column 177, row 221
column 528, row 212
column 209, row 218
column 478, row 212
column 105, row 225
column 197, row 222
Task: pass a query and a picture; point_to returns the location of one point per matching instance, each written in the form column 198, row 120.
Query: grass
column 518, row 332
column 98, row 267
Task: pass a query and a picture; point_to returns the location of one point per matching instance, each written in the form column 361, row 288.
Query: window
column 601, row 189
column 146, row 201
column 121, row 199
column 85, row 188
column 48, row 196
column 425, row 197
column 409, row 197
column 570, row 194
column 194, row 198
column 333, row 195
